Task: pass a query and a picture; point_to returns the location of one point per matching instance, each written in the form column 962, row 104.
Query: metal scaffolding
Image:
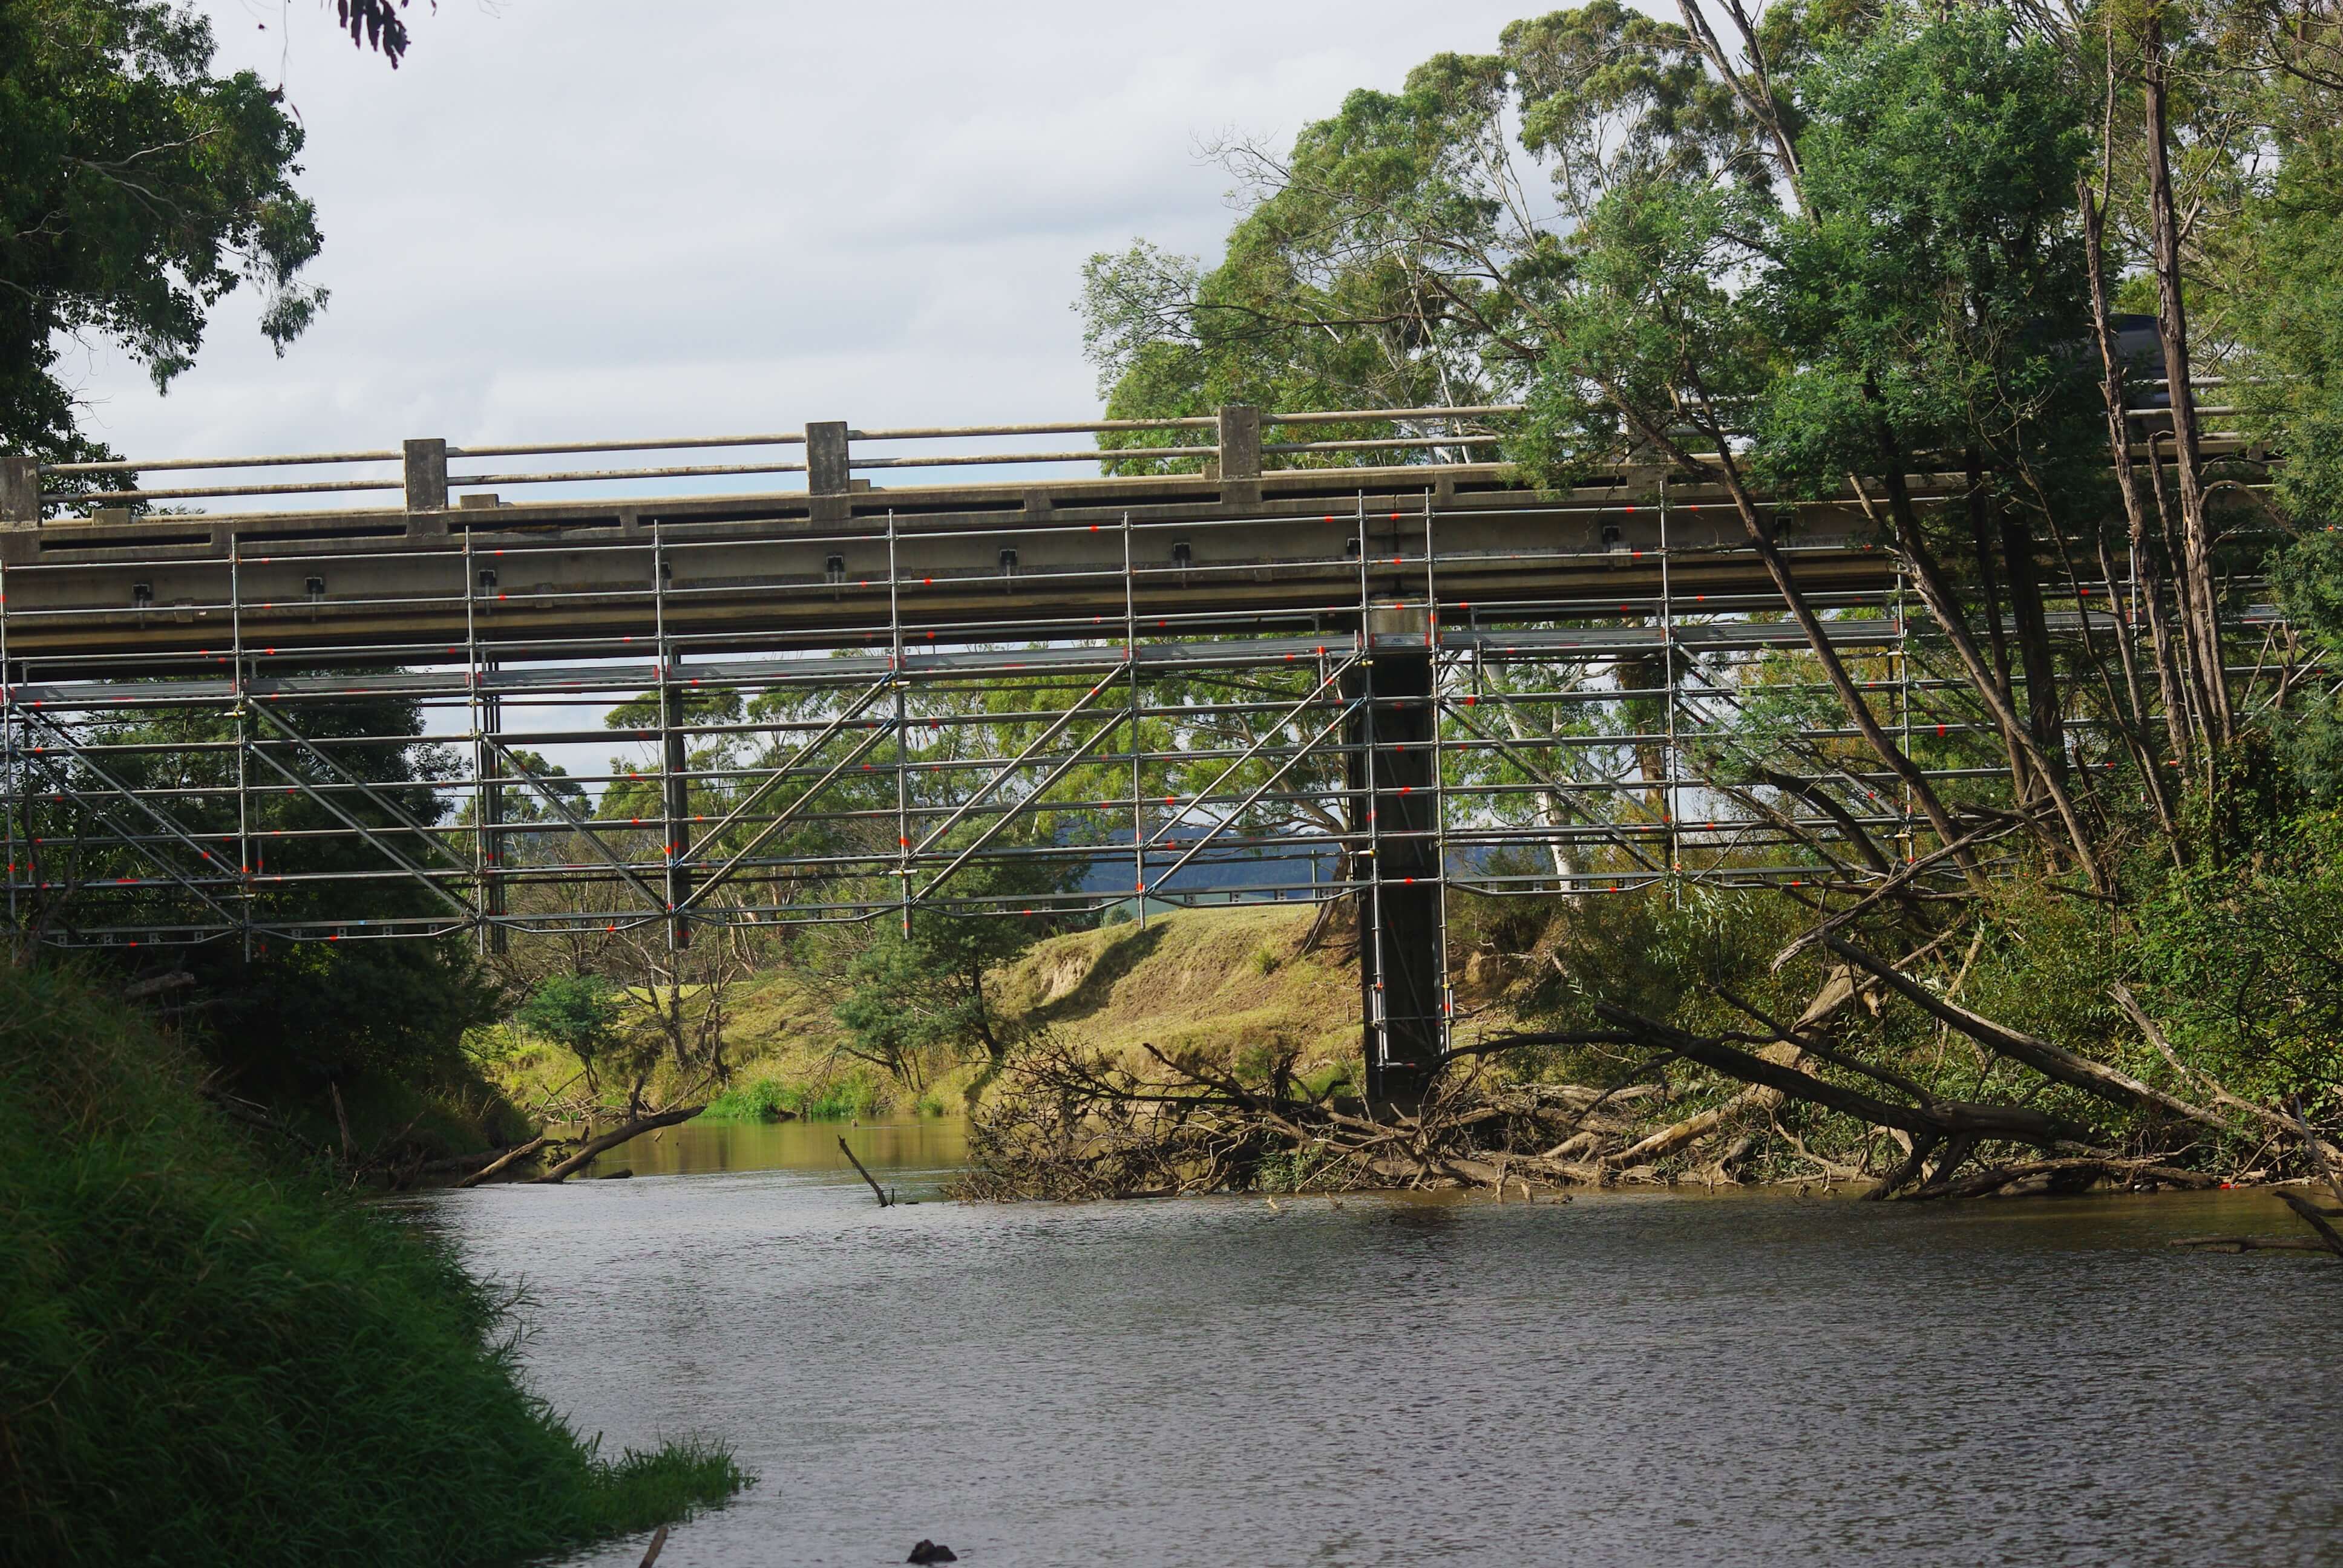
column 1405, row 684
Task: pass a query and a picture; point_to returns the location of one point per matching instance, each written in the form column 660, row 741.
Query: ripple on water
column 1625, row 1379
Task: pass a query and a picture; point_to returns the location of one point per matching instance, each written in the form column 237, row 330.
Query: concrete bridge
column 1317, row 664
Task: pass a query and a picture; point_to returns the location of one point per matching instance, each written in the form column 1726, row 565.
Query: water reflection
column 926, row 1146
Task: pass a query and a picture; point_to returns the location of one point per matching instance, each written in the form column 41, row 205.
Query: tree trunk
column 608, row 1141
column 1557, row 815
column 2107, row 1083
column 1726, row 471
column 2201, row 610
column 1883, row 746
column 506, row 1160
column 1936, row 593
column 1981, row 532
column 2042, row 703
column 2147, row 581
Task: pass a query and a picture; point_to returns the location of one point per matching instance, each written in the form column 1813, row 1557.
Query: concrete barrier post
column 427, row 475
column 828, row 473
column 1239, row 463
column 20, row 491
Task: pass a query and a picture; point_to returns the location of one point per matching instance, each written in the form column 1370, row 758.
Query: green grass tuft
column 858, row 1094
column 640, row 1490
column 204, row 1361
column 761, row 1100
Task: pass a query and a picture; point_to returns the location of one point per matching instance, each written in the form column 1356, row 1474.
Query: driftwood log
column 633, row 1129
column 505, row 1161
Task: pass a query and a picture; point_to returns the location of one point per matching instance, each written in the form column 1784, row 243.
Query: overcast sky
column 571, row 219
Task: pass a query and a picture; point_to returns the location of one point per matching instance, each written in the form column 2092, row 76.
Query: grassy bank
column 206, row 1361
column 1221, row 983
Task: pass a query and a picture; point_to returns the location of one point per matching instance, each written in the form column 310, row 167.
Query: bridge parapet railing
column 1232, row 444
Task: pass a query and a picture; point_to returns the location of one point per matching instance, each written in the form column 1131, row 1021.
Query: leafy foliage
column 578, row 1012
column 286, row 1016
column 137, row 190
column 921, row 996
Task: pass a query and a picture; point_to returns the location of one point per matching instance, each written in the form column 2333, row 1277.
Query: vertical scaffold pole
column 1904, row 717
column 487, row 789
column 480, row 851
column 902, row 732
column 1672, row 803
column 674, row 778
column 1361, row 754
column 1131, row 662
column 14, row 790
column 240, row 699
column 1389, row 750
column 1433, row 712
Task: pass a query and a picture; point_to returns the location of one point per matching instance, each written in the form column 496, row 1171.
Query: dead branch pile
column 1075, row 1123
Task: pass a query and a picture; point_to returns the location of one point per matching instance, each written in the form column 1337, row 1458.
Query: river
column 1623, row 1379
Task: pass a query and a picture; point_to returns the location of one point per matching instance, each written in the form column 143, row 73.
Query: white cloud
column 577, row 218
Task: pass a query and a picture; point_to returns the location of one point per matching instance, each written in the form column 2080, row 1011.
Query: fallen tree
column 626, row 1132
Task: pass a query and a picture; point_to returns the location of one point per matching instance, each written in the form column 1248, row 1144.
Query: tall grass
column 857, row 1094
column 205, row 1361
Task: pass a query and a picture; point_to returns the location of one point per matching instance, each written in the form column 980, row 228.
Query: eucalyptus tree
column 1813, row 249
column 138, row 189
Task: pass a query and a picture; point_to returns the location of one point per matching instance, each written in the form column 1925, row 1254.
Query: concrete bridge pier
column 1390, row 760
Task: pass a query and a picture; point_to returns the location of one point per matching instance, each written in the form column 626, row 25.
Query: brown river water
column 1624, row 1379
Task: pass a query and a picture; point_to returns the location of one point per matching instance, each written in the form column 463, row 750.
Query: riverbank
column 208, row 1355
column 1219, row 983
column 1218, row 1049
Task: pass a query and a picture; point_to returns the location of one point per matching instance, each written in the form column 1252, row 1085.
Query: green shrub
column 858, row 1094
column 761, row 1100
column 204, row 1361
